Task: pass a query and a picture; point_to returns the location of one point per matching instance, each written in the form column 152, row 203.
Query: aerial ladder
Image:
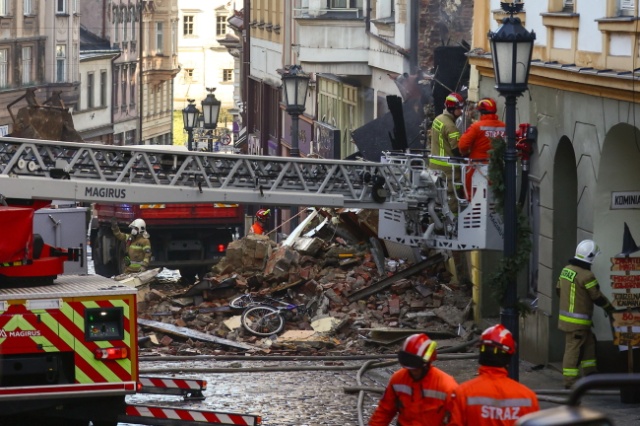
column 410, row 196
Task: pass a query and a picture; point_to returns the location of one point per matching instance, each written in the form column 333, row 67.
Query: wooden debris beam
column 386, row 282
column 191, row 334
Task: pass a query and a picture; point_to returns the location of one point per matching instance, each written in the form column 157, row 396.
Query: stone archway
column 618, row 171
column 565, row 222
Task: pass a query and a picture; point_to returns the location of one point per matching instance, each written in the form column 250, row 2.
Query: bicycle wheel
column 262, row 320
column 240, row 302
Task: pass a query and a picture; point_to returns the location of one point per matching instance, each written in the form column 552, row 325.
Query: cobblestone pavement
column 315, row 398
column 283, row 398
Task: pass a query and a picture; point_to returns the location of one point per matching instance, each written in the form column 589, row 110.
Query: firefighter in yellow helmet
column 138, row 246
column 579, row 290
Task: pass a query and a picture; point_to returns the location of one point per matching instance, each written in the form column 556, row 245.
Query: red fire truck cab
column 188, row 237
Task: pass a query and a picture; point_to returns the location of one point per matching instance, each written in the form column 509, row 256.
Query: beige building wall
column 583, row 98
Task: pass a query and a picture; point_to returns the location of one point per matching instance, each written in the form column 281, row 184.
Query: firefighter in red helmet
column 492, row 398
column 262, row 217
column 418, row 392
column 444, row 143
column 475, row 143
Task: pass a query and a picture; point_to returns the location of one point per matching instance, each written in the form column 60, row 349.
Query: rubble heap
column 328, row 270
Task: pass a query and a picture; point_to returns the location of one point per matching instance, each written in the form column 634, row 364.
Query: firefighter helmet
column 499, row 337
column 487, row 106
column 263, row 214
column 417, row 350
column 587, row 250
column 453, row 101
column 138, row 226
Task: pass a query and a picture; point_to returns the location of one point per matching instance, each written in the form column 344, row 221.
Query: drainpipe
column 413, row 43
column 140, row 85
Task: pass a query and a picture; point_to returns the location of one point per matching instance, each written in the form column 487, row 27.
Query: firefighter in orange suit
column 492, row 398
column 579, row 290
column 259, row 226
column 138, row 246
column 417, row 392
column 475, row 143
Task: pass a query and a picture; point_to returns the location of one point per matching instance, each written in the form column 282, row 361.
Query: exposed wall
column 443, row 22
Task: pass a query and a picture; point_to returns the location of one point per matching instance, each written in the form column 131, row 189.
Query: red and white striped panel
column 164, row 382
column 210, row 417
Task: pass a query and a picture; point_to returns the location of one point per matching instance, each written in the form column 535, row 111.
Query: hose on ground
column 287, row 368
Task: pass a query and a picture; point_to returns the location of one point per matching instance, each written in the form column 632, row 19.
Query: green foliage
column 508, row 268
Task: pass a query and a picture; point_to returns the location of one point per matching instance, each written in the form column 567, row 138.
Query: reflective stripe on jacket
column 417, row 403
column 138, row 248
column 444, row 135
column 491, row 399
column 578, row 290
column 476, row 141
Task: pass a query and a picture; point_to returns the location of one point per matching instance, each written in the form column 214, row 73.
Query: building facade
column 583, row 98
column 39, row 49
column 92, row 113
column 158, row 61
column 204, row 59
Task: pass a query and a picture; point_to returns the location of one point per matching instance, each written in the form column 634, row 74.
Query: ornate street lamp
column 511, row 48
column 210, row 113
column 190, row 118
column 295, row 85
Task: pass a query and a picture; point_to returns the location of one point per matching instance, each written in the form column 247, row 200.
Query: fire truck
column 187, row 237
column 68, row 349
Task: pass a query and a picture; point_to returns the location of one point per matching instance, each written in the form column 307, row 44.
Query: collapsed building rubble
column 328, row 267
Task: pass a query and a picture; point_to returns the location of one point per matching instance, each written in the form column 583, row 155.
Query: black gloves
column 609, row 309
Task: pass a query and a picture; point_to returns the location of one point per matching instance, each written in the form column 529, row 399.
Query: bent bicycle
column 248, row 300
column 266, row 320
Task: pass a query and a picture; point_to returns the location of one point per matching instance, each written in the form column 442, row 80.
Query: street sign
column 626, row 338
column 625, row 263
column 225, row 139
column 623, row 282
column 629, row 318
column 626, row 300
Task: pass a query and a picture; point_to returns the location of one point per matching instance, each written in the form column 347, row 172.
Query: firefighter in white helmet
column 138, row 246
column 579, row 290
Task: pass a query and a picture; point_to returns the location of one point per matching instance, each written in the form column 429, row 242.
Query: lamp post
column 295, row 85
column 511, row 48
column 190, row 117
column 210, row 113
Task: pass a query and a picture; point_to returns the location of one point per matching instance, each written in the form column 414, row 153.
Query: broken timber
column 386, row 282
column 192, row 334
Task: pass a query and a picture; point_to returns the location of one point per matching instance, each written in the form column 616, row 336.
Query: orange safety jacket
column 491, row 399
column 475, row 143
column 257, row 228
column 417, row 403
